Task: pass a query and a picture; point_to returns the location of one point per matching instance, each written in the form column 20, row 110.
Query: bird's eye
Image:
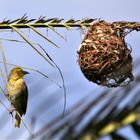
column 19, row 72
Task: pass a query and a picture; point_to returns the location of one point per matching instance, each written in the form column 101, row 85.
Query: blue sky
column 66, row 56
column 110, row 10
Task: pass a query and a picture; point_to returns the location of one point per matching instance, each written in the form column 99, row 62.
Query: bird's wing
column 25, row 99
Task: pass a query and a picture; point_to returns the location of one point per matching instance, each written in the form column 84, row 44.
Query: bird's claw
column 11, row 110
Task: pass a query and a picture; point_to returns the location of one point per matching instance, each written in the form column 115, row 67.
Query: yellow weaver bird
column 17, row 92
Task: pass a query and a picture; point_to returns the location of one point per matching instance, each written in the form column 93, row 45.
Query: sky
column 66, row 56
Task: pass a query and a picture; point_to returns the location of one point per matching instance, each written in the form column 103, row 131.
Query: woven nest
column 104, row 57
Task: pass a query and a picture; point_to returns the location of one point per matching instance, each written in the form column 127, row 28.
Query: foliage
column 109, row 118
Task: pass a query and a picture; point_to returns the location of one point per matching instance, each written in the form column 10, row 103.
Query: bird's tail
column 17, row 120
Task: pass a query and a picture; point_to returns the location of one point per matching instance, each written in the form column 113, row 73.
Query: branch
column 42, row 22
column 24, row 22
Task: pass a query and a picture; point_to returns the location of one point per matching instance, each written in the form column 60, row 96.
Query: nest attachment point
column 103, row 56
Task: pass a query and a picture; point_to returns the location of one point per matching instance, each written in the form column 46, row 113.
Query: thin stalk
column 24, row 38
column 63, row 81
column 24, row 123
column 4, row 59
column 46, row 38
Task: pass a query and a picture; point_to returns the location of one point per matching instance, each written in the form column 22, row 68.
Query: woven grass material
column 104, row 57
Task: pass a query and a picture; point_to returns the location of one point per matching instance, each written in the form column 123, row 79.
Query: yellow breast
column 14, row 87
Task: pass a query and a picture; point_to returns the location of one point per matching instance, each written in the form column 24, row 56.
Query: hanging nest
column 104, row 57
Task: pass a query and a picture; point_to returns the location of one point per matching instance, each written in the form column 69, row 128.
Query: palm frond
column 108, row 120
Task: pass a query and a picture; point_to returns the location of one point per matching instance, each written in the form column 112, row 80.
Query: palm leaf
column 107, row 121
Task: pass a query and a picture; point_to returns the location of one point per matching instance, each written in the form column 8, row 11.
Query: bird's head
column 17, row 73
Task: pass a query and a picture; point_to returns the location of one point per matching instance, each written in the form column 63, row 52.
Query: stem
column 41, row 25
column 119, row 24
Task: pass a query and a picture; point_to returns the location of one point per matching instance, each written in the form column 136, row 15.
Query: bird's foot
column 11, row 110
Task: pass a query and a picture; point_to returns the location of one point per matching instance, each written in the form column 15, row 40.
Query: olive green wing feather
column 25, row 99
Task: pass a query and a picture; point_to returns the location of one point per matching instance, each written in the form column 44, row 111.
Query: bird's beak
column 26, row 72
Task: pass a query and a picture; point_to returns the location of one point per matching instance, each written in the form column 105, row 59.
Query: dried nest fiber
column 104, row 57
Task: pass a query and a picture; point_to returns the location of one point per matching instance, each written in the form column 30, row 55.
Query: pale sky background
column 66, row 57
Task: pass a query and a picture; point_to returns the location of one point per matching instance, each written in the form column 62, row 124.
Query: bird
column 17, row 92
